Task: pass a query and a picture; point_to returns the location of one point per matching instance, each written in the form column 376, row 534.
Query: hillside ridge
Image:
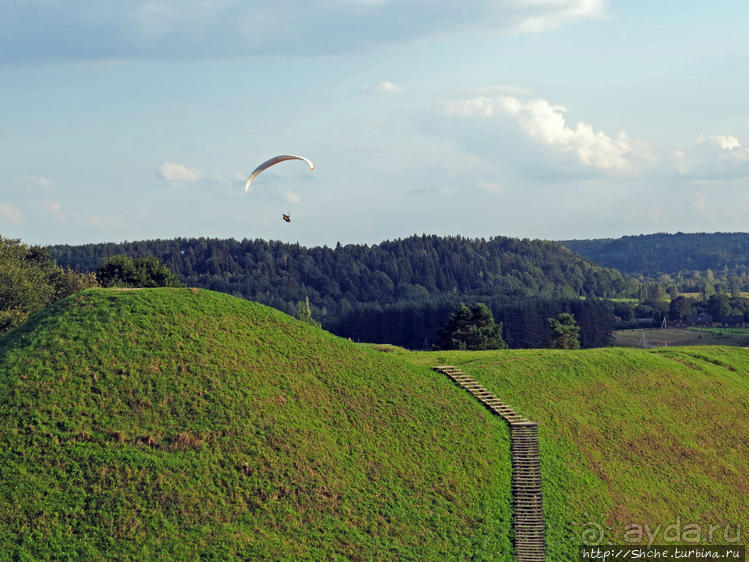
column 179, row 424
column 664, row 253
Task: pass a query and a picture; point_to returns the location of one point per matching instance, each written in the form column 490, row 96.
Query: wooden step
column 526, row 475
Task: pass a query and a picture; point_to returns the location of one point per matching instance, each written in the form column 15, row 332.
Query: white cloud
column 388, row 88
column 727, row 142
column 724, row 142
column 178, row 173
column 548, row 14
column 10, row 214
column 42, row 30
column 37, row 183
column 545, row 123
column 718, row 156
column 491, row 187
column 292, row 197
column 481, row 106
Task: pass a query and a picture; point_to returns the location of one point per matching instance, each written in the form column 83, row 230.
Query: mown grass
column 632, row 441
column 183, row 424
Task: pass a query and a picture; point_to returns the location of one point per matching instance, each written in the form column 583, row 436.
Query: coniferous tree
column 565, row 332
column 472, row 329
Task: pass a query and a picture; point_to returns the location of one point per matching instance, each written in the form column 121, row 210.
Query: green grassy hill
column 177, row 424
column 631, row 441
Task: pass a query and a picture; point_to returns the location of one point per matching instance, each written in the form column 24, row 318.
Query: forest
column 399, row 291
column 691, row 263
column 525, row 321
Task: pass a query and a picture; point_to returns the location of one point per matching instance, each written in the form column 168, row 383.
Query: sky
column 552, row 119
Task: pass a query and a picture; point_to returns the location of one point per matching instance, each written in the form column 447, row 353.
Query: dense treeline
column 705, row 263
column 414, row 269
column 525, row 322
column 418, row 279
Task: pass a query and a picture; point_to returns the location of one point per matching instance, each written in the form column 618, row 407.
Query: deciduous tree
column 30, row 280
column 304, row 313
column 123, row 271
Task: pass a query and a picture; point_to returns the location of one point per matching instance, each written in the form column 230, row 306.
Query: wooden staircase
column 526, row 474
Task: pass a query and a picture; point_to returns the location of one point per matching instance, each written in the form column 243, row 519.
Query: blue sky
column 547, row 119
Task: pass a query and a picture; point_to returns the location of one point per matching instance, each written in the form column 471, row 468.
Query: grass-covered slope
column 631, row 441
column 178, row 424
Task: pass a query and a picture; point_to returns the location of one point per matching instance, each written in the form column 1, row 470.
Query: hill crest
column 179, row 423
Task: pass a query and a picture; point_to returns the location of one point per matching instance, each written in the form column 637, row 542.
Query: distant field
column 744, row 294
column 678, row 337
column 724, row 331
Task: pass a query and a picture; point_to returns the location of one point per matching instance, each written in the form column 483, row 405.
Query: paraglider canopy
column 275, row 160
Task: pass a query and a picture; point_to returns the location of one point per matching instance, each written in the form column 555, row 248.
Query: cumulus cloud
column 545, row 124
column 716, row 156
column 87, row 30
column 731, row 147
column 727, row 142
column 178, row 173
column 10, row 214
column 724, row 142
